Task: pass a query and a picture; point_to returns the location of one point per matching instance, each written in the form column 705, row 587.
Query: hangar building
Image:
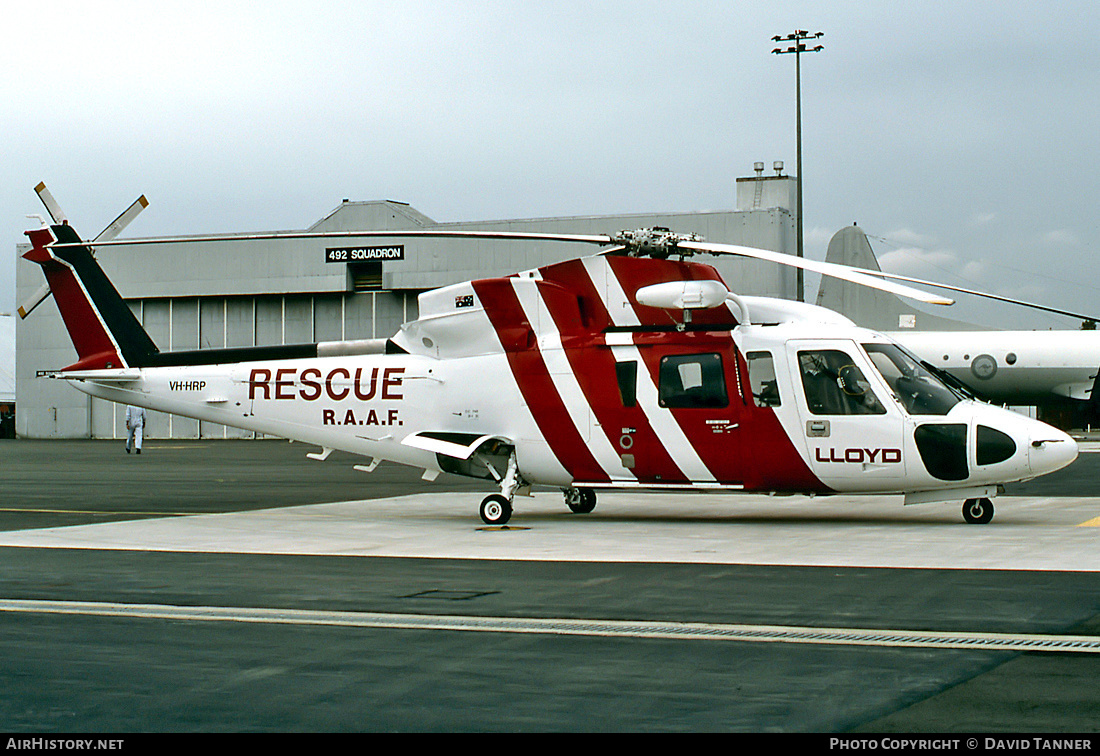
column 7, row 375
column 206, row 295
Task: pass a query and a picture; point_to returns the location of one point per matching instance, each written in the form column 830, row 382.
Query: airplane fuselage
column 1013, row 367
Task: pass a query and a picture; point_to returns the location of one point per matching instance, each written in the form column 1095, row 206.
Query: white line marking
column 561, row 626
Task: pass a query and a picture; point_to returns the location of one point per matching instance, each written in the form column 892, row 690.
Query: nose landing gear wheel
column 978, row 511
column 495, row 510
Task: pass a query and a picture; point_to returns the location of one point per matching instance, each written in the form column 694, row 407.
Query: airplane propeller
column 58, row 215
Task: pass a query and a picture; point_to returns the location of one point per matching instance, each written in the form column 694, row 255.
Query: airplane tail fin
column 879, row 310
column 102, row 327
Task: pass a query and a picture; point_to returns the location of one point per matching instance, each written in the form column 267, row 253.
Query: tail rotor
column 115, row 228
column 103, row 329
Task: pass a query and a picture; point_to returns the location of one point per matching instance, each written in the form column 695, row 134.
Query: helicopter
column 634, row 368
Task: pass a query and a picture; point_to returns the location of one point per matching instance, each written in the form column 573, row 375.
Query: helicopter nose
column 1050, row 449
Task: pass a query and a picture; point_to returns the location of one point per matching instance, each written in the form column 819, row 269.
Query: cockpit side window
column 916, row 387
column 834, row 385
column 762, row 380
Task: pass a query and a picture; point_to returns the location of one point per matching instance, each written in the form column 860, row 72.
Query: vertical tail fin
column 879, row 310
column 102, row 327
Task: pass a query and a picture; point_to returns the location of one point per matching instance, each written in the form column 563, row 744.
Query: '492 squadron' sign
column 364, row 254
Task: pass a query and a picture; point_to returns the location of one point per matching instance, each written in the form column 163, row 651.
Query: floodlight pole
column 798, row 37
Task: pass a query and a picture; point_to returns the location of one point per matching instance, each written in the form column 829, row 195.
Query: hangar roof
column 378, row 215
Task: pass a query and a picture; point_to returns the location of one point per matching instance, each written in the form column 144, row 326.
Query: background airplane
column 1053, row 370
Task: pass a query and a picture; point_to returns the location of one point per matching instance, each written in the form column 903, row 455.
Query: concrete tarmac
column 148, row 573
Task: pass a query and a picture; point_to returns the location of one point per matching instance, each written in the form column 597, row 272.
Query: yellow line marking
column 1093, row 523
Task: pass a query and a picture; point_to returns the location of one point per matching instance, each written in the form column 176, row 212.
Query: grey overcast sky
column 961, row 137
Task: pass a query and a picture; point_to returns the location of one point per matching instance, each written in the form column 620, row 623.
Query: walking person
column 135, row 427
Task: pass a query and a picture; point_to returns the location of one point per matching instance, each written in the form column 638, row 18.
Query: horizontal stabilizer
column 125, row 375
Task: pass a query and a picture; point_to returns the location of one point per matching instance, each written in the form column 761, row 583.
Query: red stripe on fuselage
column 593, row 365
column 757, row 453
column 715, row 433
column 774, row 463
column 506, row 314
column 720, row 442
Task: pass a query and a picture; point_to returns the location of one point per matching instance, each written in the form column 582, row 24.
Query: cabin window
column 762, row 380
column 627, row 375
column 693, row 380
column 834, row 385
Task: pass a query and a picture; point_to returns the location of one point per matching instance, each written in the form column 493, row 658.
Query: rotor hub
column 657, row 242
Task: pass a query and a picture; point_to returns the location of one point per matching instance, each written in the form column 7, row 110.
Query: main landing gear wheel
column 580, row 500
column 495, row 510
column 977, row 511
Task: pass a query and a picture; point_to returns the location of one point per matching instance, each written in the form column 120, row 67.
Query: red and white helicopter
column 633, row 368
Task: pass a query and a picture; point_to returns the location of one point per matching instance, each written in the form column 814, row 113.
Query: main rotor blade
column 854, row 275
column 52, row 207
column 35, row 299
column 987, row 295
column 122, row 221
column 602, row 239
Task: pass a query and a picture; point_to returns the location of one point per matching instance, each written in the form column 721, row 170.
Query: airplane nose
column 1050, row 449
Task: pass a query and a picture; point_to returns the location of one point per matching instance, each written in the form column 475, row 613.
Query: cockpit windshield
column 920, row 391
